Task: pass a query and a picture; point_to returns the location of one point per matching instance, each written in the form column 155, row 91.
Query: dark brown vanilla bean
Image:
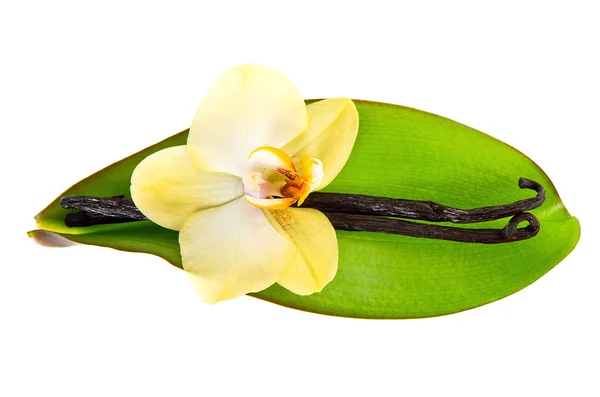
column 84, row 218
column 361, row 213
column 349, row 204
column 423, row 210
column 366, row 223
column 116, row 207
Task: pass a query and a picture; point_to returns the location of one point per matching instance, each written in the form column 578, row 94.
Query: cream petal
column 248, row 107
column 329, row 137
column 232, row 250
column 313, row 235
column 168, row 188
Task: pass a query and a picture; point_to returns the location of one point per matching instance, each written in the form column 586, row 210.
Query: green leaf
column 403, row 153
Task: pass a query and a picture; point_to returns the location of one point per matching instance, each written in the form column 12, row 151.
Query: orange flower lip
column 296, row 188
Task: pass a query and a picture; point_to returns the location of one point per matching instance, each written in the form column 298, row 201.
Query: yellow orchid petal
column 330, row 135
column 313, row 235
column 232, row 250
column 167, row 187
column 271, row 204
column 248, row 107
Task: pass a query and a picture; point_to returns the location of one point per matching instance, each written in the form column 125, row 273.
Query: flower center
column 274, row 182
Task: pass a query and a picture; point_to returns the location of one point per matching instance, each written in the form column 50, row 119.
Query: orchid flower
column 254, row 149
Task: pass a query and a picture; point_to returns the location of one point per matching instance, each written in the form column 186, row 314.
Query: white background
column 84, row 85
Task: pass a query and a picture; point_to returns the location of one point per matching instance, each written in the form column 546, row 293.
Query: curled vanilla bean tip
column 540, row 198
column 514, row 233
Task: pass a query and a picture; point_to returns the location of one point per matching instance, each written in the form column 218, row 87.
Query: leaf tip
column 49, row 239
